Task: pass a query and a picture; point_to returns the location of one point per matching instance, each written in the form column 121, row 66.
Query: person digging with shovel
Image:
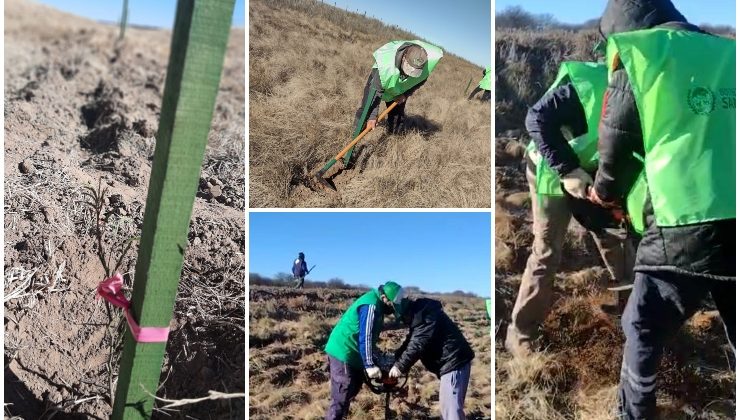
column 352, row 344
column 563, row 126
column 667, row 155
column 437, row 341
column 401, row 67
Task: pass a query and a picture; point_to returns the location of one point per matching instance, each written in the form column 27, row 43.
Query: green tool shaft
column 328, row 165
column 468, row 86
column 196, row 59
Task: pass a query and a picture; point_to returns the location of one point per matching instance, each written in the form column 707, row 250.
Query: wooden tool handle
column 365, row 131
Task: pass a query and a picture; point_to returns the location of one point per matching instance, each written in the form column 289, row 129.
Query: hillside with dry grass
column 308, row 64
column 288, row 369
column 576, row 375
column 82, row 111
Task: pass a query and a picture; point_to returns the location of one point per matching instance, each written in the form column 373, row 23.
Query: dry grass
column 308, row 66
column 288, row 371
column 527, row 63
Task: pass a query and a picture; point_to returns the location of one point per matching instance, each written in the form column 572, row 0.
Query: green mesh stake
column 196, row 59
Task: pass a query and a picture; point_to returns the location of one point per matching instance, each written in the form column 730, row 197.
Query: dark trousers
column 396, row 117
column 659, row 305
column 346, row 382
column 360, row 118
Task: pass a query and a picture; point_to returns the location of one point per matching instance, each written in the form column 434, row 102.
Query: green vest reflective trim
column 485, row 82
column 343, row 341
column 589, row 81
column 684, row 87
column 390, row 75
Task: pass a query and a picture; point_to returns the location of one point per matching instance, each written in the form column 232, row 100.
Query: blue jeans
column 346, row 382
column 657, row 308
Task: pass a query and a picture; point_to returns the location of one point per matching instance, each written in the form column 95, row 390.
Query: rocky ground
column 81, row 114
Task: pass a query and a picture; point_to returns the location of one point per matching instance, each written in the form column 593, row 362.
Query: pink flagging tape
column 110, row 290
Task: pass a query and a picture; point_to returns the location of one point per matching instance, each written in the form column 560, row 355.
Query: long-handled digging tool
column 386, row 385
column 320, row 174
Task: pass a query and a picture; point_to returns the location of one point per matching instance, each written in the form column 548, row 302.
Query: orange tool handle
column 365, row 131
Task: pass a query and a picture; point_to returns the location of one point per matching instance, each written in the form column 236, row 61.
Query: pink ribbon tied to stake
column 110, row 290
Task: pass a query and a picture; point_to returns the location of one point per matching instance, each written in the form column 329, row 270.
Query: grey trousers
column 551, row 217
column 452, row 389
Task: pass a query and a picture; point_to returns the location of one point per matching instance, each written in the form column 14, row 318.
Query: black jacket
column 433, row 338
column 705, row 249
column 557, row 109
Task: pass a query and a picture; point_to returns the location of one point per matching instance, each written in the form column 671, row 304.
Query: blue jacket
column 300, row 268
column 367, row 318
column 558, row 108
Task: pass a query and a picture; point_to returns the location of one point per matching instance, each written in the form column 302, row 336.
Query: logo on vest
column 701, row 100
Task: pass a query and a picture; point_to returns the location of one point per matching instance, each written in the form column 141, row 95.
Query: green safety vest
column 390, row 76
column 684, row 87
column 344, row 339
column 589, row 81
column 485, row 82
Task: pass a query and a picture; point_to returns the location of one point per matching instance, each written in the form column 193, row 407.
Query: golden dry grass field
column 308, row 64
column 288, row 369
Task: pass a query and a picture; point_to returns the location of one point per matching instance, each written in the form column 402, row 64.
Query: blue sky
column 716, row 12
column 439, row 252
column 461, row 27
column 159, row 13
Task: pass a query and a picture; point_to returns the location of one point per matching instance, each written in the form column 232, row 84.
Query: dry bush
column 288, row 369
column 527, row 63
column 308, row 66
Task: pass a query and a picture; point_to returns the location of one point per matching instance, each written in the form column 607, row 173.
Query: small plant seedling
column 95, row 199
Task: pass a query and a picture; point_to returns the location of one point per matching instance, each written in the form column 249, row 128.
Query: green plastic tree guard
column 196, row 59
column 124, row 20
